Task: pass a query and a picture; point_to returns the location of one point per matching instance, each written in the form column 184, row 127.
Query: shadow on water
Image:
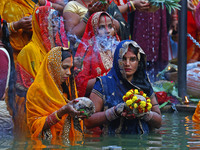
column 177, row 132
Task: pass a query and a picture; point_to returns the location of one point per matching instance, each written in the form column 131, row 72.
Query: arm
column 57, row 115
column 74, row 24
column 138, row 4
column 89, row 87
column 58, row 5
column 99, row 117
column 154, row 118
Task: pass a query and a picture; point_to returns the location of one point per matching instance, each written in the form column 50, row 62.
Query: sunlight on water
column 177, row 132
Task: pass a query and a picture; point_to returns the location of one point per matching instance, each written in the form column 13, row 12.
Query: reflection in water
column 177, row 132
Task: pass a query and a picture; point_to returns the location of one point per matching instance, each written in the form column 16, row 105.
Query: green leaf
column 164, row 104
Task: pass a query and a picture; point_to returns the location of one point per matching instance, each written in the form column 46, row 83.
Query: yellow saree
column 45, row 96
column 14, row 10
column 29, row 60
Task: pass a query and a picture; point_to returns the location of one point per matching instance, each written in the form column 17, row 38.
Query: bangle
column 52, row 119
column 110, row 114
column 57, row 116
column 129, row 6
column 48, row 3
column 149, row 116
column 8, row 24
column 132, row 5
column 12, row 29
column 85, row 18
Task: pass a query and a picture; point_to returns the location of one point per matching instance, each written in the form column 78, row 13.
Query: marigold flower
column 135, row 105
column 142, row 104
column 136, row 91
column 134, row 98
column 148, row 100
column 149, row 106
column 129, row 102
column 144, row 95
column 128, row 94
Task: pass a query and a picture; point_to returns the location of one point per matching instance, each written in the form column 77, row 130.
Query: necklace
column 84, row 3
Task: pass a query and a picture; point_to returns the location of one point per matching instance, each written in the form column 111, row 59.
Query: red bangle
column 48, row 3
column 129, row 7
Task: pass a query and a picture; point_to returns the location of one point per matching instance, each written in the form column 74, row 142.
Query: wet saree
column 96, row 61
column 45, row 96
column 112, row 87
column 32, row 55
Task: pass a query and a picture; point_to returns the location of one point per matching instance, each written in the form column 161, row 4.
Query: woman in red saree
column 95, row 51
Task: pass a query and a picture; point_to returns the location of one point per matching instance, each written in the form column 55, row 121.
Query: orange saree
column 14, row 10
column 45, row 96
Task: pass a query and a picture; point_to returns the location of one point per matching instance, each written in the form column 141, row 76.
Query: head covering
column 112, row 87
column 45, row 96
column 97, row 61
column 31, row 56
column 89, row 39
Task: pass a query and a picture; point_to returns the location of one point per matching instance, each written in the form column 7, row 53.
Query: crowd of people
column 53, row 51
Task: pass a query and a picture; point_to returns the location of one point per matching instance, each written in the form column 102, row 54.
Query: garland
column 137, row 101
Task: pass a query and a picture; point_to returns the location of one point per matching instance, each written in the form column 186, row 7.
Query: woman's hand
column 190, row 5
column 69, row 109
column 96, row 6
column 141, row 5
column 24, row 23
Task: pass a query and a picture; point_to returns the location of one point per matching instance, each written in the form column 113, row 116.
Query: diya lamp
column 186, row 101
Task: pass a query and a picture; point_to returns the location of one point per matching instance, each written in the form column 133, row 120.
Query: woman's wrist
column 131, row 6
column 86, row 17
column 148, row 116
column 52, row 119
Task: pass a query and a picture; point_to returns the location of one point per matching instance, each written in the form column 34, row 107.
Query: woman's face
column 130, row 64
column 55, row 23
column 106, row 26
column 66, row 68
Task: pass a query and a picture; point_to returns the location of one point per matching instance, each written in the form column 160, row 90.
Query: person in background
column 7, row 81
column 50, row 99
column 128, row 72
column 18, row 14
column 56, row 4
column 95, row 52
column 81, row 10
column 46, row 24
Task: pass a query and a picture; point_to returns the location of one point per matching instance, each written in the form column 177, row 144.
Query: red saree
column 95, row 60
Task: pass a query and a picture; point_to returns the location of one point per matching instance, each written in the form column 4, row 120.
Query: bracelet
column 57, row 116
column 12, row 29
column 85, row 18
column 155, row 104
column 149, row 116
column 52, row 119
column 129, row 6
column 110, row 114
column 48, row 3
column 132, row 5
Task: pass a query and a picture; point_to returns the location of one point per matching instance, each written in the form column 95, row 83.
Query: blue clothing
column 113, row 87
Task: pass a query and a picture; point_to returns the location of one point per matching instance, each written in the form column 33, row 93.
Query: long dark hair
column 12, row 78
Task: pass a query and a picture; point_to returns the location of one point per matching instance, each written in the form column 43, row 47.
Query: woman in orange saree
column 46, row 22
column 20, row 32
column 50, row 113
